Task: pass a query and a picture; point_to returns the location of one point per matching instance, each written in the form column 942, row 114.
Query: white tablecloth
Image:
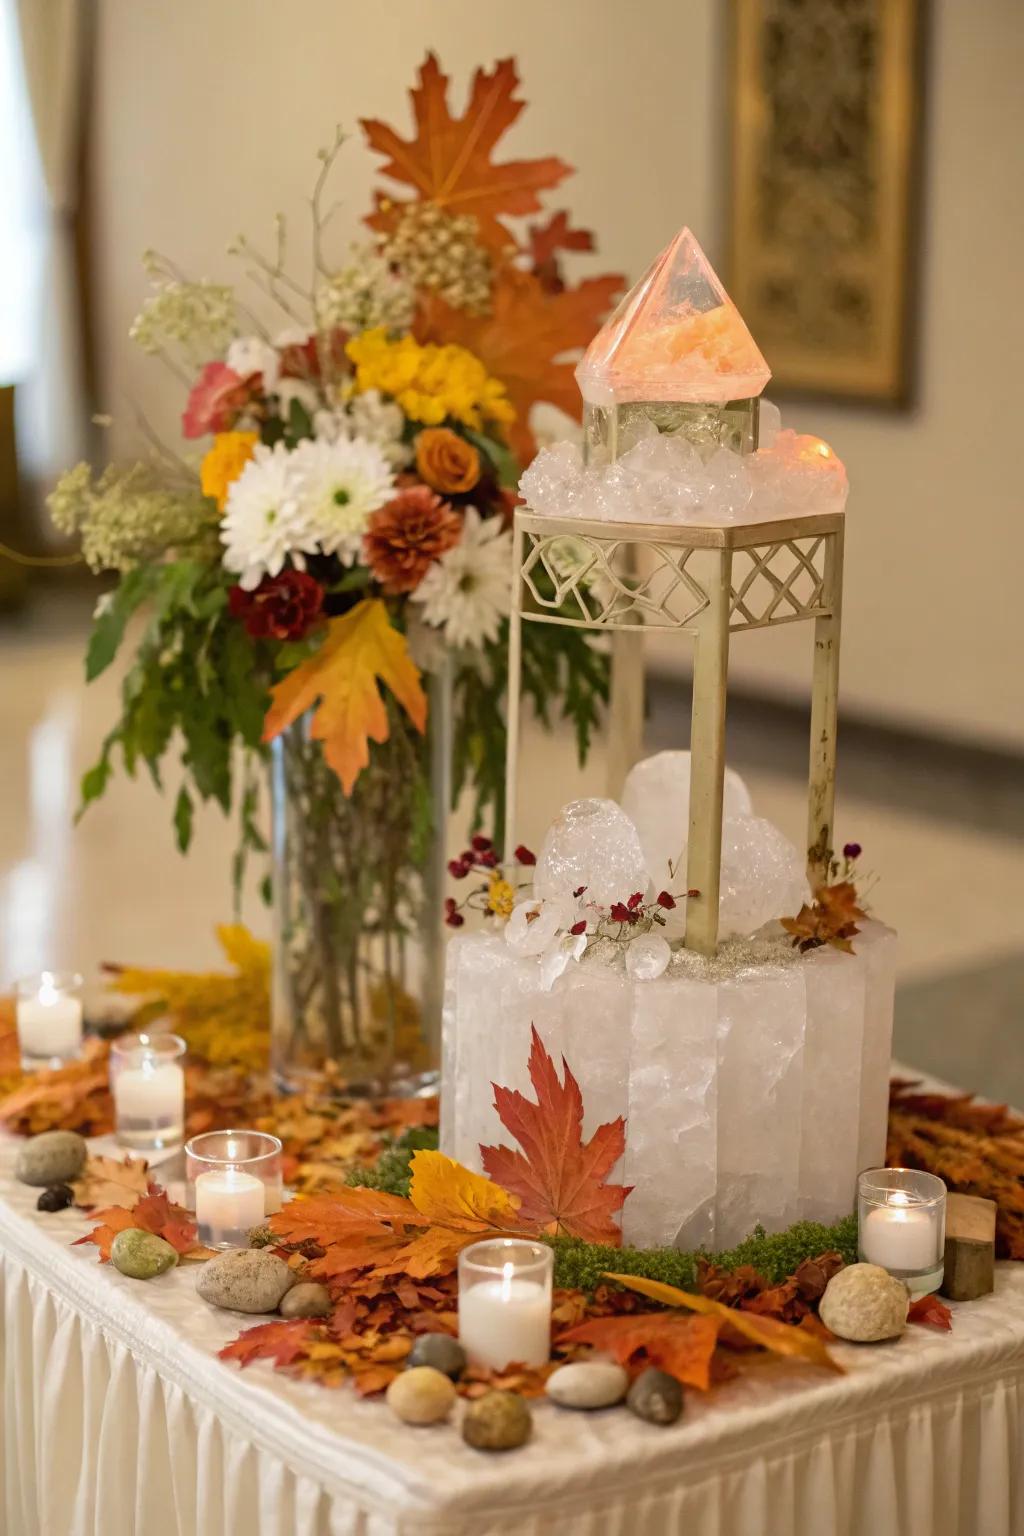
column 119, row 1420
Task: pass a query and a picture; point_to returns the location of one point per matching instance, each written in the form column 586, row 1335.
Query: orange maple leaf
column 682, row 1346
column 525, row 339
column 931, row 1312
column 559, row 1178
column 153, row 1213
column 282, row 1342
column 766, row 1332
column 448, row 162
column 832, row 919
column 361, row 646
column 545, row 241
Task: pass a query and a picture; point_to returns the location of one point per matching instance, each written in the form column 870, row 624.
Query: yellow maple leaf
column 361, row 647
column 449, row 1194
column 111, row 1181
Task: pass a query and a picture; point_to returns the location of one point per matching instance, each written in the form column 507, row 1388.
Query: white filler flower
column 467, row 591
column 262, row 527
column 340, row 483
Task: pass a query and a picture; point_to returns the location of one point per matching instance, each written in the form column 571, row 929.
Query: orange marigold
column 405, row 537
column 446, row 461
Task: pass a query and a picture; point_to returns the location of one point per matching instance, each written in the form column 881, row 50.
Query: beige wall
column 209, row 113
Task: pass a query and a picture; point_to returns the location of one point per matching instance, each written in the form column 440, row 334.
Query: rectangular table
column 119, row 1420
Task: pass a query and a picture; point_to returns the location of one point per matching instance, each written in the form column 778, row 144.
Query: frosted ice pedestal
column 751, row 1093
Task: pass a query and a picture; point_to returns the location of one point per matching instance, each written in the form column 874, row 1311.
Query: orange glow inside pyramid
column 676, row 335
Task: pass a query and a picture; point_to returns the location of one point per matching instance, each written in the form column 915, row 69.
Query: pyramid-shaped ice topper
column 676, row 335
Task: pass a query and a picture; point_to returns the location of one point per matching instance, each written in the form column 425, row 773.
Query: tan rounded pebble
column 864, row 1303
column 421, row 1395
column 245, row 1280
column 498, row 1421
column 588, row 1384
column 307, row 1299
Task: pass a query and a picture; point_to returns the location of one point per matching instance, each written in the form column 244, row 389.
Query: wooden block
column 970, row 1247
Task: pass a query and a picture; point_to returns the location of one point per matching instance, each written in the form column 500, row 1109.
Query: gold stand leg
column 513, row 706
column 712, row 569
column 824, row 699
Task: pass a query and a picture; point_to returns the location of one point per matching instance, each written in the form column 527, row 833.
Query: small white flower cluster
column 366, row 293
column 289, row 503
column 199, row 317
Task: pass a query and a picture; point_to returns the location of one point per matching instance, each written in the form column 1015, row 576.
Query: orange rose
column 446, row 461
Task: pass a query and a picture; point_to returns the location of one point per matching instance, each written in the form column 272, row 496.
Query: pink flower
column 217, row 398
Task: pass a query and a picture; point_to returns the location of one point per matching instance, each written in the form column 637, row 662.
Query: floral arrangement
column 328, row 557
column 351, row 498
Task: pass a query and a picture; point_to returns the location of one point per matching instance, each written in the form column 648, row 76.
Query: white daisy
column 468, row 590
column 261, row 528
column 251, row 354
column 340, row 484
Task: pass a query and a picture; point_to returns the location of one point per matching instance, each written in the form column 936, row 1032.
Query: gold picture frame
column 825, row 110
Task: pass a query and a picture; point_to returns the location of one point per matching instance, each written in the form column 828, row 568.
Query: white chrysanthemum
column 382, row 422
column 251, row 354
column 467, row 591
column 340, row 484
column 262, row 526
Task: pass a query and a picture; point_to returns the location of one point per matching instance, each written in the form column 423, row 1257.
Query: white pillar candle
column 900, row 1236
column 505, row 1321
column 228, row 1203
column 49, row 1024
column 153, row 1092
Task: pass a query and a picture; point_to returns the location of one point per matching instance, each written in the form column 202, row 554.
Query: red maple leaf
column 558, row 1177
column 448, row 162
column 932, row 1312
column 282, row 1342
column 545, row 241
column 153, row 1213
column 682, row 1346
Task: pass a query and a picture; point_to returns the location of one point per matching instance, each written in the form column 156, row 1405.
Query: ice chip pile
column 664, row 479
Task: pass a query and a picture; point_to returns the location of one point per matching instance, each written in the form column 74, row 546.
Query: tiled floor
column 114, row 888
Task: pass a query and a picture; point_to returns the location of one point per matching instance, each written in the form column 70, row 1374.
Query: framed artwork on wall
column 825, row 107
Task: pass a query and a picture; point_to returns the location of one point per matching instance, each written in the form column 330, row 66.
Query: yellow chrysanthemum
column 224, row 463
column 430, row 383
column 501, row 897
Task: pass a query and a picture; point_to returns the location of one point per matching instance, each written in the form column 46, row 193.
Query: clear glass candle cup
column 901, row 1225
column 147, row 1081
column 505, row 1302
column 48, row 1011
column 232, row 1183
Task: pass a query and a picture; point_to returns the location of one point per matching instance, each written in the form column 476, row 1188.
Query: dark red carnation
column 283, row 607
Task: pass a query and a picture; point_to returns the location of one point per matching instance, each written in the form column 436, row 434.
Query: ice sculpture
column 753, row 1078
column 676, row 335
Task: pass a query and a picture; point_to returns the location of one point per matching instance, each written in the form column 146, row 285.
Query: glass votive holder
column 147, row 1082
column 505, row 1302
column 901, row 1225
column 232, row 1182
column 48, row 1010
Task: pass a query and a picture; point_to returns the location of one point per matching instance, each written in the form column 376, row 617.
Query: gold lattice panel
column 583, row 580
column 777, row 583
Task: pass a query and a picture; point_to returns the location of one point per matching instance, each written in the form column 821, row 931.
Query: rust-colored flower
column 446, row 461
column 405, row 537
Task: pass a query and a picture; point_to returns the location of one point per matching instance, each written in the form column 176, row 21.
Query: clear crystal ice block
column 751, row 1095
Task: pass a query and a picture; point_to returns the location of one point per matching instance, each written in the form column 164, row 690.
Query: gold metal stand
column 706, row 582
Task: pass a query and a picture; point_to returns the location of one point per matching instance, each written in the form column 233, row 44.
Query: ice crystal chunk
column 647, row 957
column 676, row 335
column 656, row 798
column 590, row 843
column 663, row 478
column 762, row 876
column 754, row 1086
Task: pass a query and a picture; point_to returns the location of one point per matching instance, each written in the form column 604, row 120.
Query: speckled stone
column 421, row 1395
column 656, row 1397
column 441, row 1351
column 54, row 1157
column 863, row 1303
column 141, row 1255
column 498, row 1421
column 588, row 1384
column 307, row 1299
column 245, row 1280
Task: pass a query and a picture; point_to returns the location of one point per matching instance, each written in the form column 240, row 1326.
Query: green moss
column 391, row 1170
column 582, row 1266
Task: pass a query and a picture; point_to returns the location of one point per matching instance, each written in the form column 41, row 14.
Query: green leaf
column 183, row 819
column 108, row 629
column 300, row 423
column 502, row 459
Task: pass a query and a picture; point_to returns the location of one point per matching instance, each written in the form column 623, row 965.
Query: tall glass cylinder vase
column 358, row 891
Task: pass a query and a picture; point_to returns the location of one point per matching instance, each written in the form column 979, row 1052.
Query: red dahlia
column 283, row 607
